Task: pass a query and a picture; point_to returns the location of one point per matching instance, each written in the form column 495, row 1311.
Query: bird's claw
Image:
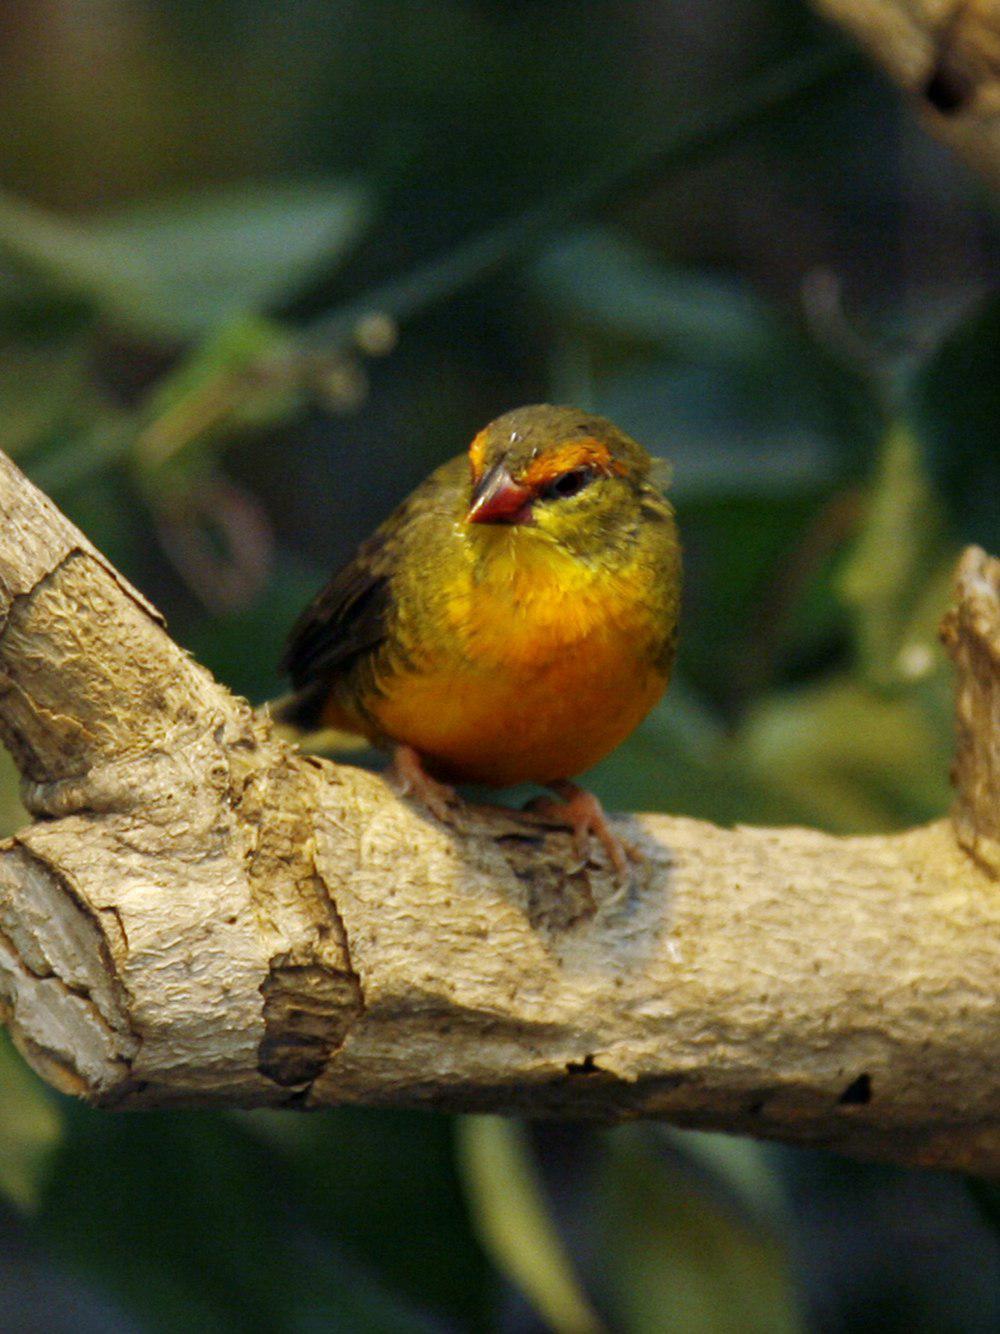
column 408, row 776
column 573, row 808
column 582, row 813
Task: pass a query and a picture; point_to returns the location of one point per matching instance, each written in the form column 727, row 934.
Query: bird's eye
column 569, row 484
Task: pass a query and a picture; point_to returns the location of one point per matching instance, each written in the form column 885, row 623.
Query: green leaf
column 232, row 381
column 599, row 278
column 679, row 1262
column 739, row 1166
column 897, row 578
column 30, row 1129
column 176, row 269
column 851, row 758
column 514, row 1223
column 242, row 376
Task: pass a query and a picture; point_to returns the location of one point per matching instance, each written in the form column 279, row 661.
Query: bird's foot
column 408, row 776
column 581, row 812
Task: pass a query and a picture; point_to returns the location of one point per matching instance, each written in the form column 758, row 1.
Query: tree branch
column 201, row 914
column 946, row 54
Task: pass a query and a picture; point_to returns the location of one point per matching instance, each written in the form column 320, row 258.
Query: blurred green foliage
column 262, row 267
column 679, row 1259
column 30, row 1130
column 512, row 1218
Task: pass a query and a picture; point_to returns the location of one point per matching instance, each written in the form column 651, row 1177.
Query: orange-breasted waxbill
column 512, row 621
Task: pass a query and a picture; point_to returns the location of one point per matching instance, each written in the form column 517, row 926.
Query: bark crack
column 71, row 1071
column 25, row 595
column 85, row 948
column 311, row 994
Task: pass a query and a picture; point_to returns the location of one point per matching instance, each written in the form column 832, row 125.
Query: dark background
column 261, row 267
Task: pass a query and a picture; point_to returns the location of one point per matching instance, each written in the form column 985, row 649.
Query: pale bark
column 201, row 914
column 946, row 54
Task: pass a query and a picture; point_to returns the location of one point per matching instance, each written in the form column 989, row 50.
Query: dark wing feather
column 350, row 619
column 345, row 620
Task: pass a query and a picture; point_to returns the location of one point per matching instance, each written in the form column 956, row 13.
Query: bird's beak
column 499, row 499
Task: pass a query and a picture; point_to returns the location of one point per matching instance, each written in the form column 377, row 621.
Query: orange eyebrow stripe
column 477, row 455
column 585, row 453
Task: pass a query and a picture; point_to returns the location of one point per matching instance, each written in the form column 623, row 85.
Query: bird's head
column 561, row 475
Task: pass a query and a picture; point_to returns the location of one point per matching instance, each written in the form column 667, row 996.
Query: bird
column 511, row 622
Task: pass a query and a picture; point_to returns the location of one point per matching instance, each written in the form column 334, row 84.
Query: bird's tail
column 298, row 717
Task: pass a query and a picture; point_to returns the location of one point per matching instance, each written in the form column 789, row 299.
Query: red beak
column 499, row 499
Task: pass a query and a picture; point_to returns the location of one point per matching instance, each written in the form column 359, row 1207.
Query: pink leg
column 584, row 815
column 408, row 776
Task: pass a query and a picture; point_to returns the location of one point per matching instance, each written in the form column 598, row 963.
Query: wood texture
column 202, row 915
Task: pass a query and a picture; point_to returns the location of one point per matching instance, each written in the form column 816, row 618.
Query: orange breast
column 503, row 730
column 535, row 679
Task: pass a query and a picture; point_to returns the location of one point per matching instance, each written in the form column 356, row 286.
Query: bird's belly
column 522, row 721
